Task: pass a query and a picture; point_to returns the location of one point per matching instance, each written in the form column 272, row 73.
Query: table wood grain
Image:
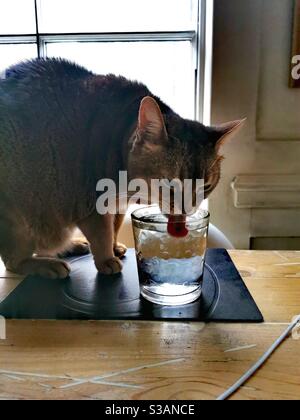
column 160, row 360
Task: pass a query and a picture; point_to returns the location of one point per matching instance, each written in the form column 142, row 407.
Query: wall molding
column 266, row 191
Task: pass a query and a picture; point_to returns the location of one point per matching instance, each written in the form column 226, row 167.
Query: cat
column 62, row 128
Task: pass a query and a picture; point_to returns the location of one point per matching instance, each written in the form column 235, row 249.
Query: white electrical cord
column 260, row 363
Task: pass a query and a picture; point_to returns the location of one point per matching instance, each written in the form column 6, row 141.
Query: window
column 154, row 63
column 17, row 17
column 69, row 16
column 157, row 42
column 11, row 53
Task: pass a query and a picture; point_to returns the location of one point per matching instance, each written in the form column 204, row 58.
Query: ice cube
column 173, row 271
column 161, row 245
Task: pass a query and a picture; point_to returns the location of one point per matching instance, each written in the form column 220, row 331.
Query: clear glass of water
column 170, row 268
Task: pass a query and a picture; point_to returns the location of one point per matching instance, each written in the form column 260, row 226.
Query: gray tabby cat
column 62, row 129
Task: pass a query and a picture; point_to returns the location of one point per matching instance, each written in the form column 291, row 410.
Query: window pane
column 17, row 17
column 12, row 54
column 165, row 67
column 117, row 15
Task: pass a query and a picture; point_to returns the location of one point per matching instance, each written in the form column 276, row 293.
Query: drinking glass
column 170, row 267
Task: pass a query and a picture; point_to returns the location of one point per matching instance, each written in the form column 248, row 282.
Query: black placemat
column 88, row 296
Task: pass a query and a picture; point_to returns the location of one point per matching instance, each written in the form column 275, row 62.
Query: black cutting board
column 88, row 296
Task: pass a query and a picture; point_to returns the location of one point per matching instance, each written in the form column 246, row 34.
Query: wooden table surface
column 160, row 360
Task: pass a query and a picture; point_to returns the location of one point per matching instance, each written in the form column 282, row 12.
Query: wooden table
column 145, row 360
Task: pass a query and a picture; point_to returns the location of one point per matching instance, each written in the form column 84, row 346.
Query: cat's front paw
column 54, row 269
column 49, row 268
column 76, row 248
column 120, row 250
column 110, row 267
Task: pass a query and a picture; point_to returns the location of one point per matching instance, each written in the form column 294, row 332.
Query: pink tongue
column 177, row 226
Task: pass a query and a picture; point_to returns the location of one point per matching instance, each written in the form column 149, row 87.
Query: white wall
column 278, row 116
column 251, row 71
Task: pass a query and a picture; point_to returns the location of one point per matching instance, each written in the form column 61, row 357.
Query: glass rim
column 205, row 217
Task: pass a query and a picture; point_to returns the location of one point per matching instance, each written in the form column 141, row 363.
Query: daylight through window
column 156, row 42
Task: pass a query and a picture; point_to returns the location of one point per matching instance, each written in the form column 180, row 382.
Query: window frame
column 200, row 38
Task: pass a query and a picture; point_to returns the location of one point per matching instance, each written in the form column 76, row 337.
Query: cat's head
column 170, row 147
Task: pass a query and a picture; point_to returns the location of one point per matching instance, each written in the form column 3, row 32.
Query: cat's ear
column 151, row 125
column 224, row 132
